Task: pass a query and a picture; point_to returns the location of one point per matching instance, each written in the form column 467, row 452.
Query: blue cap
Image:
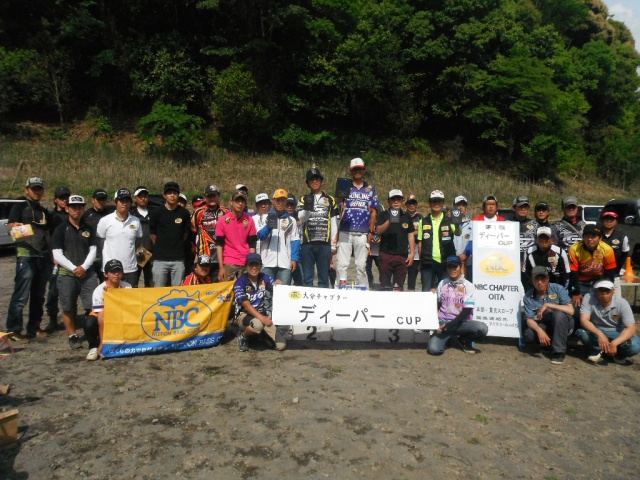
column 254, row 258
column 453, row 260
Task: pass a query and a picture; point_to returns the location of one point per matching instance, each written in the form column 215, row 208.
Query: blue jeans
column 314, row 255
column 173, row 269
column 431, row 274
column 467, row 331
column 278, row 273
column 627, row 349
column 32, row 275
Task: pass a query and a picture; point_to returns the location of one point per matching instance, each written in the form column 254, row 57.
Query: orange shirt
column 590, row 265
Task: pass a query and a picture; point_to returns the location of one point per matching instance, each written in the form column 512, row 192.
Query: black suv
column 628, row 210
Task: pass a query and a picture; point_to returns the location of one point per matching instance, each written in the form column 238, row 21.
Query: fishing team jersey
column 453, row 296
column 255, row 293
column 192, row 279
column 317, row 227
column 203, row 224
column 357, row 207
column 591, row 265
column 566, row 233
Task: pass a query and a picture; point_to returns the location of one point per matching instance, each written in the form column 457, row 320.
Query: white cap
column 460, row 198
column 140, row 190
column 241, row 186
column 76, row 200
column 543, row 231
column 355, row 163
column 436, row 194
column 395, row 193
column 603, row 283
column 261, row 197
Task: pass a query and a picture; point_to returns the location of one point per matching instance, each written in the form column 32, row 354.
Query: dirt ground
column 318, row 410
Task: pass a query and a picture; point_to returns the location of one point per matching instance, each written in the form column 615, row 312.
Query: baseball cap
column 291, row 198
column 113, row 265
column 356, row 163
column 254, row 258
column 566, row 201
column 395, row 193
column 543, row 231
column 314, row 172
column 539, row 270
column 100, row 194
column 239, row 194
column 280, row 193
column 412, row 198
column 122, row 193
column 197, row 201
column 460, row 199
column 203, row 260
column 542, row 206
column 489, row 197
column 210, row 189
column 34, row 182
column 242, row 186
column 171, row 187
column 592, row 230
column 609, row 213
column 603, row 283
column 140, row 189
column 436, row 194
column 183, row 197
column 62, row 191
column 520, row 201
column 76, row 200
column 262, row 197
column 453, row 260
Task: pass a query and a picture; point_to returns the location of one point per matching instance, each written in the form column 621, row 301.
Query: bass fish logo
column 497, row 265
column 176, row 316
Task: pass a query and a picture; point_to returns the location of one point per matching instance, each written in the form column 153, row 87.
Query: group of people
column 285, row 240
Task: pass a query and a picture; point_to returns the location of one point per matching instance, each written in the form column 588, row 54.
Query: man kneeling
column 549, row 313
column 456, row 298
column 254, row 293
column 94, row 323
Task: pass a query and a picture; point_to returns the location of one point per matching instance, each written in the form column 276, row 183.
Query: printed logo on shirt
column 445, row 228
column 553, row 296
column 177, row 220
column 325, row 201
column 426, row 236
column 615, row 242
column 85, row 234
column 248, row 289
column 133, row 227
column 426, row 227
column 227, row 220
column 615, row 317
column 529, row 227
column 405, row 225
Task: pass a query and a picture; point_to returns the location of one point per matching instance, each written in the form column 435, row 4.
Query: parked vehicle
column 628, row 210
column 6, row 204
column 589, row 213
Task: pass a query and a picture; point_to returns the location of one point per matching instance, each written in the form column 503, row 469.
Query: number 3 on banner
column 312, row 335
column 395, row 336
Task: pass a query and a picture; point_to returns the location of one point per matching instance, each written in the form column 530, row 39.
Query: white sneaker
column 93, row 354
column 595, row 358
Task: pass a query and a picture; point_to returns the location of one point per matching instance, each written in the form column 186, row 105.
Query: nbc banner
column 496, row 276
column 165, row 319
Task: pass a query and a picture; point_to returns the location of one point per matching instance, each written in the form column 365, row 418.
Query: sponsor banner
column 152, row 320
column 496, row 276
column 326, row 307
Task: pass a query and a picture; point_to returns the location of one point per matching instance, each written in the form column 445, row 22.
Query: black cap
column 100, row 194
column 123, row 193
column 542, row 206
column 314, row 172
column 291, row 198
column 113, row 265
column 171, row 187
column 592, row 229
column 239, row 194
column 62, row 191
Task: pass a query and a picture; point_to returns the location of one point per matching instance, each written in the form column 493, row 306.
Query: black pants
column 91, row 330
column 558, row 325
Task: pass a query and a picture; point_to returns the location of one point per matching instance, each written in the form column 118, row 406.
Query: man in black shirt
column 92, row 217
column 169, row 227
column 141, row 212
column 397, row 242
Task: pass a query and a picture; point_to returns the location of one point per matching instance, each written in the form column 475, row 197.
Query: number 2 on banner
column 395, row 336
column 312, row 335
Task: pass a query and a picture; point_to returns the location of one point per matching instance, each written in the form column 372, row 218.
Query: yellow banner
column 153, row 320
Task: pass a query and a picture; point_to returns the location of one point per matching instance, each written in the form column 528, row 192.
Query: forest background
column 533, row 88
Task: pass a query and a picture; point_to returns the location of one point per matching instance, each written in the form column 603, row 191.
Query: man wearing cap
column 545, row 254
column 466, row 233
column 203, row 223
column 568, row 230
column 617, row 240
column 94, row 322
column 141, row 212
column 121, row 233
column 236, row 237
column 318, row 213
column 489, row 210
column 62, row 194
column 397, row 242
column 291, row 208
column 456, row 301
column 521, row 207
column 279, row 241
column 411, row 209
column 253, row 292
column 608, row 326
column 263, row 204
column 549, row 314
column 33, row 262
column 74, row 249
column 541, row 213
column 243, row 188
column 201, row 272
column 435, row 242
column 357, row 221
column 91, row 217
column 589, row 260
column 169, row 227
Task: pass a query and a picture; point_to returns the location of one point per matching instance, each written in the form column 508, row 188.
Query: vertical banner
column 152, row 320
column 496, row 276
